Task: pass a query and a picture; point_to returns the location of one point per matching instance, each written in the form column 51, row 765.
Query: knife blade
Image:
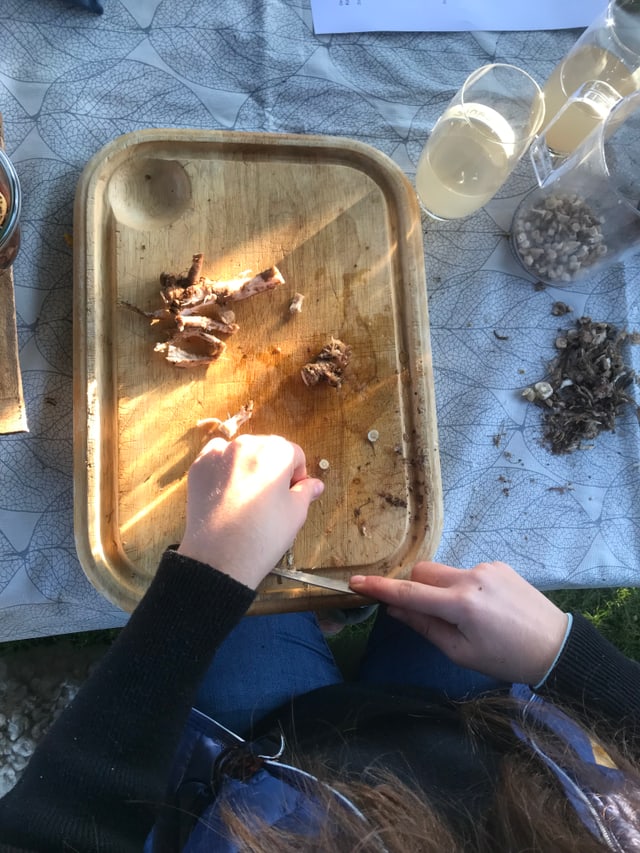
column 313, row 579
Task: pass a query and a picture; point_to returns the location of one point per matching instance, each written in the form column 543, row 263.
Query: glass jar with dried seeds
column 10, row 206
column 585, row 215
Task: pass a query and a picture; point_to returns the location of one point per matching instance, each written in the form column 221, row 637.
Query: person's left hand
column 487, row 618
column 246, row 501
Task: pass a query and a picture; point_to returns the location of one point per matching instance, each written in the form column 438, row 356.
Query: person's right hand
column 487, row 618
column 246, row 501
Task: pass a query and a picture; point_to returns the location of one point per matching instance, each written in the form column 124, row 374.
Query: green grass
column 84, row 638
column 615, row 613
column 348, row 646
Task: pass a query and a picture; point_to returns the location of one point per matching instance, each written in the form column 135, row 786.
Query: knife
column 313, row 579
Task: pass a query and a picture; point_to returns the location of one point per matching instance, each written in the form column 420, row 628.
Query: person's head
column 529, row 808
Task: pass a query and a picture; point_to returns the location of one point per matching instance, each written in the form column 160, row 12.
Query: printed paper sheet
column 359, row 16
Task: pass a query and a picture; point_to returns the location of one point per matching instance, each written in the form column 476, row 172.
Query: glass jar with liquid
column 477, row 141
column 608, row 51
column 10, row 205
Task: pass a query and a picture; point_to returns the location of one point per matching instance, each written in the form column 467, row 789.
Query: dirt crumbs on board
column 586, row 386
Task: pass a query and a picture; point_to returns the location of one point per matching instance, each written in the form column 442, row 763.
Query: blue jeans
column 267, row 660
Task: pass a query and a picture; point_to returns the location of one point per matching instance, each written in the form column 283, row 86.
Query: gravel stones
column 36, row 685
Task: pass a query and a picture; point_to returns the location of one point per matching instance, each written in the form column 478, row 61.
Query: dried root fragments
column 328, row 366
column 586, row 386
column 195, row 311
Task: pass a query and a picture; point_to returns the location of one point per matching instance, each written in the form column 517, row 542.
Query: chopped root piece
column 191, row 348
column 230, row 427
column 220, row 321
column 328, row 365
column 206, row 324
column 3, row 208
column 192, row 289
column 243, row 288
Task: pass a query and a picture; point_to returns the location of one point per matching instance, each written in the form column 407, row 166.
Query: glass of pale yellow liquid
column 582, row 115
column 478, row 140
column 608, row 53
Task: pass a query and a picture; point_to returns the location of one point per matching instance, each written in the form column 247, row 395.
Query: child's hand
column 246, row 501
column 487, row 618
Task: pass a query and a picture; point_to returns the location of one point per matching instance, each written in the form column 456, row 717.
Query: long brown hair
column 529, row 813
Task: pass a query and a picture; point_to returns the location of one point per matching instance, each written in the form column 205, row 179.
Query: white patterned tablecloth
column 71, row 81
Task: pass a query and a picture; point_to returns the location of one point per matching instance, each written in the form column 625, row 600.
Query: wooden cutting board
column 13, row 415
column 341, row 222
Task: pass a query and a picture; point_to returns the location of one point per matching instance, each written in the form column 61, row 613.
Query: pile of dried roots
column 586, row 387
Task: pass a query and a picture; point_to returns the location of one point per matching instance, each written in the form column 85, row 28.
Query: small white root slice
column 295, row 306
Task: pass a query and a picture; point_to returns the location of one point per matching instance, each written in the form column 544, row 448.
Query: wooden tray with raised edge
column 341, row 222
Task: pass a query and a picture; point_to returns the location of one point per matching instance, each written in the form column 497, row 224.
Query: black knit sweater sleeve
column 96, row 778
column 598, row 682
